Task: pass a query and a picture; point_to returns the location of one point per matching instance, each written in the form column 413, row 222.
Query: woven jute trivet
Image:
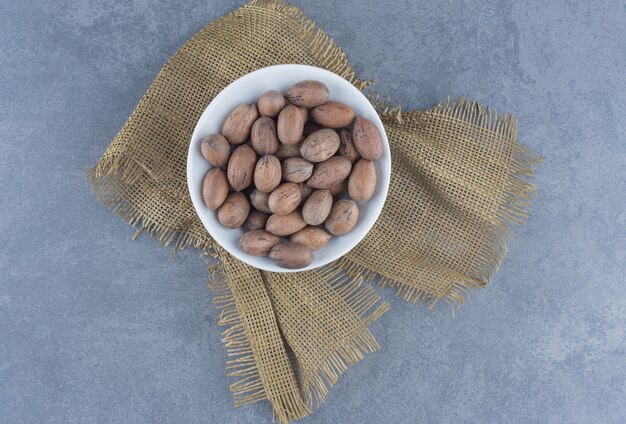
column 459, row 183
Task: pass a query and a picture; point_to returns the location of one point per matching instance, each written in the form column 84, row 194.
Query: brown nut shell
column 241, row 167
column 338, row 188
column 285, row 225
column 267, row 173
column 215, row 149
column 333, row 114
column 290, row 125
column 296, row 170
column 237, row 126
column 291, row 255
column 305, row 113
column 256, row 221
column 234, row 211
column 330, row 172
column 271, row 103
column 308, row 93
column 285, row 199
column 305, row 190
column 343, row 217
column 367, row 139
column 310, row 128
column 214, row 188
column 258, row 242
column 263, row 136
column 260, row 200
column 285, row 152
column 362, row 181
column 347, row 147
column 313, row 237
column 320, row 145
column 317, row 207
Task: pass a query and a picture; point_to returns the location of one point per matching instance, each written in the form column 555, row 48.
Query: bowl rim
column 386, row 170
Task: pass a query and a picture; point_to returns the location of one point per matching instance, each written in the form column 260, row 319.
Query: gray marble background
column 95, row 328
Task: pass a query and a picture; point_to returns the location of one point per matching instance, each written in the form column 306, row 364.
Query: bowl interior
column 248, row 89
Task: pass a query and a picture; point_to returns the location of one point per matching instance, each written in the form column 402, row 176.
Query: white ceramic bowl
column 248, row 89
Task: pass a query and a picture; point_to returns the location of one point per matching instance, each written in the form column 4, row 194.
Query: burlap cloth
column 459, row 182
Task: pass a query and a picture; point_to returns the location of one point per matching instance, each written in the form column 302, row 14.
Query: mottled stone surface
column 95, row 328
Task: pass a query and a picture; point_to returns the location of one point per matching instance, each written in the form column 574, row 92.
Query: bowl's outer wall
column 248, row 89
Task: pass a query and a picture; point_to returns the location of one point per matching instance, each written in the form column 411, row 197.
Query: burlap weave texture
column 459, row 181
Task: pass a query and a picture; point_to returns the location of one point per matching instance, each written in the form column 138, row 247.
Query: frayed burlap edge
column 512, row 211
column 114, row 171
column 322, row 48
column 367, row 305
column 517, row 194
column 357, row 295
